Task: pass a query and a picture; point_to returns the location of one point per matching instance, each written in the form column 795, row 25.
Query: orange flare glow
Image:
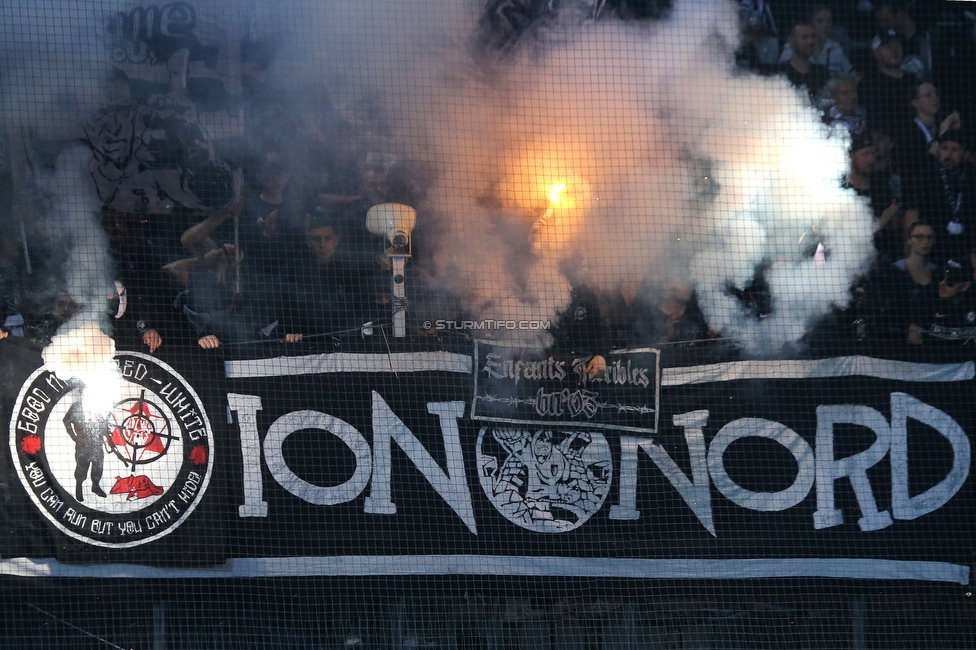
column 555, row 192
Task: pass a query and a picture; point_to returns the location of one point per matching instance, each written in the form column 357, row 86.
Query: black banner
column 616, row 390
column 378, row 463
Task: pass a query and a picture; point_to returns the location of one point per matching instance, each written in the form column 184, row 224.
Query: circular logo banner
column 117, row 474
column 545, row 481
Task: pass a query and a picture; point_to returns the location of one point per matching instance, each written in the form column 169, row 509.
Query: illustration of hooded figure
column 90, row 440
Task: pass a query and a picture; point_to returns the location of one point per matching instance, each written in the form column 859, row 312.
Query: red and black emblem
column 118, row 473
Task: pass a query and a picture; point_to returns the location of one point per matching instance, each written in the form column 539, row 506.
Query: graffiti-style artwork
column 185, row 52
column 140, row 435
column 545, row 481
column 151, row 34
column 504, row 22
column 150, row 157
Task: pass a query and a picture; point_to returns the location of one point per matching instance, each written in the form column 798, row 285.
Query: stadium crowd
column 273, row 259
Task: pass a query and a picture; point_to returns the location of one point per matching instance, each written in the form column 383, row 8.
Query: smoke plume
column 632, row 152
column 676, row 167
column 54, row 73
column 81, row 348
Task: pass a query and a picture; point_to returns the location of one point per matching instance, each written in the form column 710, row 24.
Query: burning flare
column 555, row 192
column 558, row 228
column 87, row 354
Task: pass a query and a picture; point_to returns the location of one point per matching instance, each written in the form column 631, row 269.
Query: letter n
column 452, row 485
column 695, row 491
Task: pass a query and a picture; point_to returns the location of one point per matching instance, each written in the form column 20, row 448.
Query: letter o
column 323, row 496
column 777, row 432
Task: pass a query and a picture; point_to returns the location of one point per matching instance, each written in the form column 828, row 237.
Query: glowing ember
column 555, row 192
column 556, row 231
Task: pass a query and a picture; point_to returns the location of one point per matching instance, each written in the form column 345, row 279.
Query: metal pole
column 23, row 243
column 399, row 297
column 238, row 188
column 159, row 625
column 858, row 616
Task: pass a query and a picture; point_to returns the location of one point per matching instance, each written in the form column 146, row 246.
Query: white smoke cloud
column 679, row 168
column 676, row 167
column 81, row 348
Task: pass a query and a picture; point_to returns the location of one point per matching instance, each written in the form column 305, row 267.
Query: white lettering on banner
column 777, row 432
column 451, row 486
column 130, row 368
column 695, row 492
column 820, row 467
column 247, row 407
column 501, row 367
column 902, row 505
column 853, row 467
column 319, row 495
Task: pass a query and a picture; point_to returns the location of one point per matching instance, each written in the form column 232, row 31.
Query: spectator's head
column 374, row 186
column 883, row 144
column 803, row 40
column 322, row 239
column 892, row 15
column 953, row 149
column 228, row 262
column 272, row 180
column 887, row 50
column 884, row 15
column 862, row 154
column 843, row 92
column 926, row 101
column 64, row 307
column 821, row 18
column 921, row 238
column 123, row 228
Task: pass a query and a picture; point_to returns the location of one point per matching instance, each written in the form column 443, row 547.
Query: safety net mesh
column 536, row 324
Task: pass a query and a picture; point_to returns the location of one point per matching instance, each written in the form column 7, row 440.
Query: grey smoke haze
column 676, row 168
column 54, row 63
column 54, row 73
column 680, row 169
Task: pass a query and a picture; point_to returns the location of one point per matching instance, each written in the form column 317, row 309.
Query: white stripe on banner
column 819, row 369
column 461, row 363
column 350, row 362
column 505, row 565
